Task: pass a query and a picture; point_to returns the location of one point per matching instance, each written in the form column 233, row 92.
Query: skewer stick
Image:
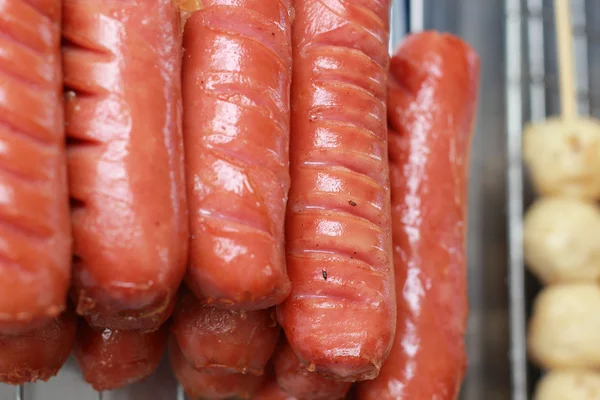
column 566, row 67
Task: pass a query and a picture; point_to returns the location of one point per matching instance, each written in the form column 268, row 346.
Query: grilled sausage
column 110, row 359
column 340, row 316
column 294, row 379
column 270, row 390
column 211, row 384
column 431, row 106
column 125, row 159
column 229, row 340
column 38, row 354
column 35, row 236
column 236, row 80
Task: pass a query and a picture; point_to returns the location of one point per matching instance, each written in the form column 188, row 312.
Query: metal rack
column 532, row 95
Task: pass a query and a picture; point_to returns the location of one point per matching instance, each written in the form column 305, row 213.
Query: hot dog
column 431, row 106
column 340, row 316
column 228, row 340
column 270, row 390
column 236, row 80
column 211, row 384
column 35, row 233
column 125, row 159
column 110, row 359
column 294, row 379
column 38, row 354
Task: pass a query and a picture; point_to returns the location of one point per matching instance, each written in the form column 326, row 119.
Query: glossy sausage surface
column 294, row 379
column 35, row 233
column 340, row 316
column 211, row 384
column 38, row 354
column 125, row 159
column 227, row 340
column 110, row 359
column 431, row 107
column 236, row 83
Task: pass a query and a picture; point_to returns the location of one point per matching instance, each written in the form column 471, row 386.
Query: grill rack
column 532, row 94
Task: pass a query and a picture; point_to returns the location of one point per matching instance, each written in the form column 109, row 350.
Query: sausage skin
column 125, row 159
column 38, row 354
column 270, row 390
column 431, row 107
column 229, row 340
column 35, row 229
column 340, row 317
column 294, row 379
column 236, row 82
column 110, row 359
column 211, row 384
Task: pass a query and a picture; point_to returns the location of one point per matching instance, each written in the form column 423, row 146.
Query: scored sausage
column 38, row 354
column 211, row 384
column 110, row 359
column 125, row 159
column 431, row 106
column 340, row 316
column 236, row 82
column 35, row 236
column 294, row 379
column 219, row 339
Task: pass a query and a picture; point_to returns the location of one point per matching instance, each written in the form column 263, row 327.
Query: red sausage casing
column 431, row 107
column 294, row 379
column 110, row 359
column 214, row 384
column 35, row 233
column 236, row 82
column 219, row 339
column 341, row 315
column 125, row 159
column 38, row 354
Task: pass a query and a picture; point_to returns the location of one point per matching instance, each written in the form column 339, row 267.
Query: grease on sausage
column 236, row 82
column 35, row 233
column 341, row 322
column 227, row 340
column 110, row 359
column 125, row 159
column 431, row 107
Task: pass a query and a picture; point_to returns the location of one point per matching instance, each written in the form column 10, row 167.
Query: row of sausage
column 268, row 154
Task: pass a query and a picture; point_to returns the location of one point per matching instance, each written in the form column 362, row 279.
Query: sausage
column 211, row 384
column 270, row 390
column 294, row 379
column 340, row 316
column 236, row 82
column 110, row 359
column 38, row 354
column 35, row 232
column 125, row 159
column 229, row 340
column 431, row 106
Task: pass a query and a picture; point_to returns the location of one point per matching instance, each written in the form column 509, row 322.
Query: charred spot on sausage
column 352, row 203
column 324, row 274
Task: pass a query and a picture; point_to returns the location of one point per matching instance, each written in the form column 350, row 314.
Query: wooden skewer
column 566, row 67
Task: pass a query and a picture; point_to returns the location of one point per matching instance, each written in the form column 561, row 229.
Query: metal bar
column 417, row 15
column 19, row 392
column 100, row 395
column 180, row 392
column 514, row 115
column 581, row 57
column 535, row 37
